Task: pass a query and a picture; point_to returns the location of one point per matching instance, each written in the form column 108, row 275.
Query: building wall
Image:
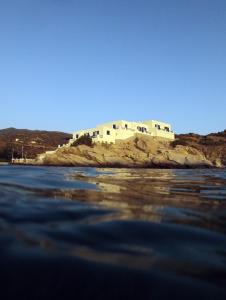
column 160, row 129
column 120, row 130
column 106, row 134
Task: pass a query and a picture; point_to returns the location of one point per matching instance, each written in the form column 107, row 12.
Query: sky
column 71, row 64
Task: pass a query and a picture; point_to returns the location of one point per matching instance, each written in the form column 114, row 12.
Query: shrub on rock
column 83, row 140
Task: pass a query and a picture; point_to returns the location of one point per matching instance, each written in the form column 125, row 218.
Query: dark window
column 108, row 132
column 98, row 132
column 114, row 126
column 126, row 126
column 167, row 129
column 157, row 126
column 77, row 136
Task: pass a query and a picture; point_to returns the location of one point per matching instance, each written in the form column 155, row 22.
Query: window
column 97, row 132
column 126, row 126
column 77, row 136
column 114, row 126
column 166, row 129
column 108, row 132
column 157, row 126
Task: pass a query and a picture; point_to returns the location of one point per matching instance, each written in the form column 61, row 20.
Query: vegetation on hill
column 83, row 140
column 29, row 143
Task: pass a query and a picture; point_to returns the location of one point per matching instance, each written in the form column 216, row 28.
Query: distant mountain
column 29, row 142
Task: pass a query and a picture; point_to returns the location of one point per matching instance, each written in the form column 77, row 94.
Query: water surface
column 82, row 233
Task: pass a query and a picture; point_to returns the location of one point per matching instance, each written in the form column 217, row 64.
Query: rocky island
column 186, row 151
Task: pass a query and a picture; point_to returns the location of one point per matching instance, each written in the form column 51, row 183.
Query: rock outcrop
column 213, row 145
column 139, row 151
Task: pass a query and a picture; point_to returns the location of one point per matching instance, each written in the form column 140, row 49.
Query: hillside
column 188, row 150
column 138, row 151
column 31, row 142
column 213, row 145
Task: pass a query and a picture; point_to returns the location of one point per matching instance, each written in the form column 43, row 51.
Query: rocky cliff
column 213, row 145
column 139, row 151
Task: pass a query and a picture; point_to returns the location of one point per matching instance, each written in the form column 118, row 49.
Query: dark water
column 85, row 233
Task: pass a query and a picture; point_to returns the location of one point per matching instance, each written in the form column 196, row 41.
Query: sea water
column 89, row 233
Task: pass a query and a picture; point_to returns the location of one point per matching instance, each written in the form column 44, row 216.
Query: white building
column 120, row 130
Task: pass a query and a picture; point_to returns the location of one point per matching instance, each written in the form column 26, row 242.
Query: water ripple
column 127, row 227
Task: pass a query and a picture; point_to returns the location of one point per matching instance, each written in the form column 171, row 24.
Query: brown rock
column 139, row 151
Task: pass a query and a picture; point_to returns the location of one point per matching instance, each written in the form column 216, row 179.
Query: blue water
column 82, row 233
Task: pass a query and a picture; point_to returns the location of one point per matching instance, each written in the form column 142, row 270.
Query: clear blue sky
column 70, row 64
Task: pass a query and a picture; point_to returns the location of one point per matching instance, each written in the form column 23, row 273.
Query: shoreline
column 117, row 166
column 140, row 152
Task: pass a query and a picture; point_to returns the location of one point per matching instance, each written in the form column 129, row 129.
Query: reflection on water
column 158, row 195
column 112, row 233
